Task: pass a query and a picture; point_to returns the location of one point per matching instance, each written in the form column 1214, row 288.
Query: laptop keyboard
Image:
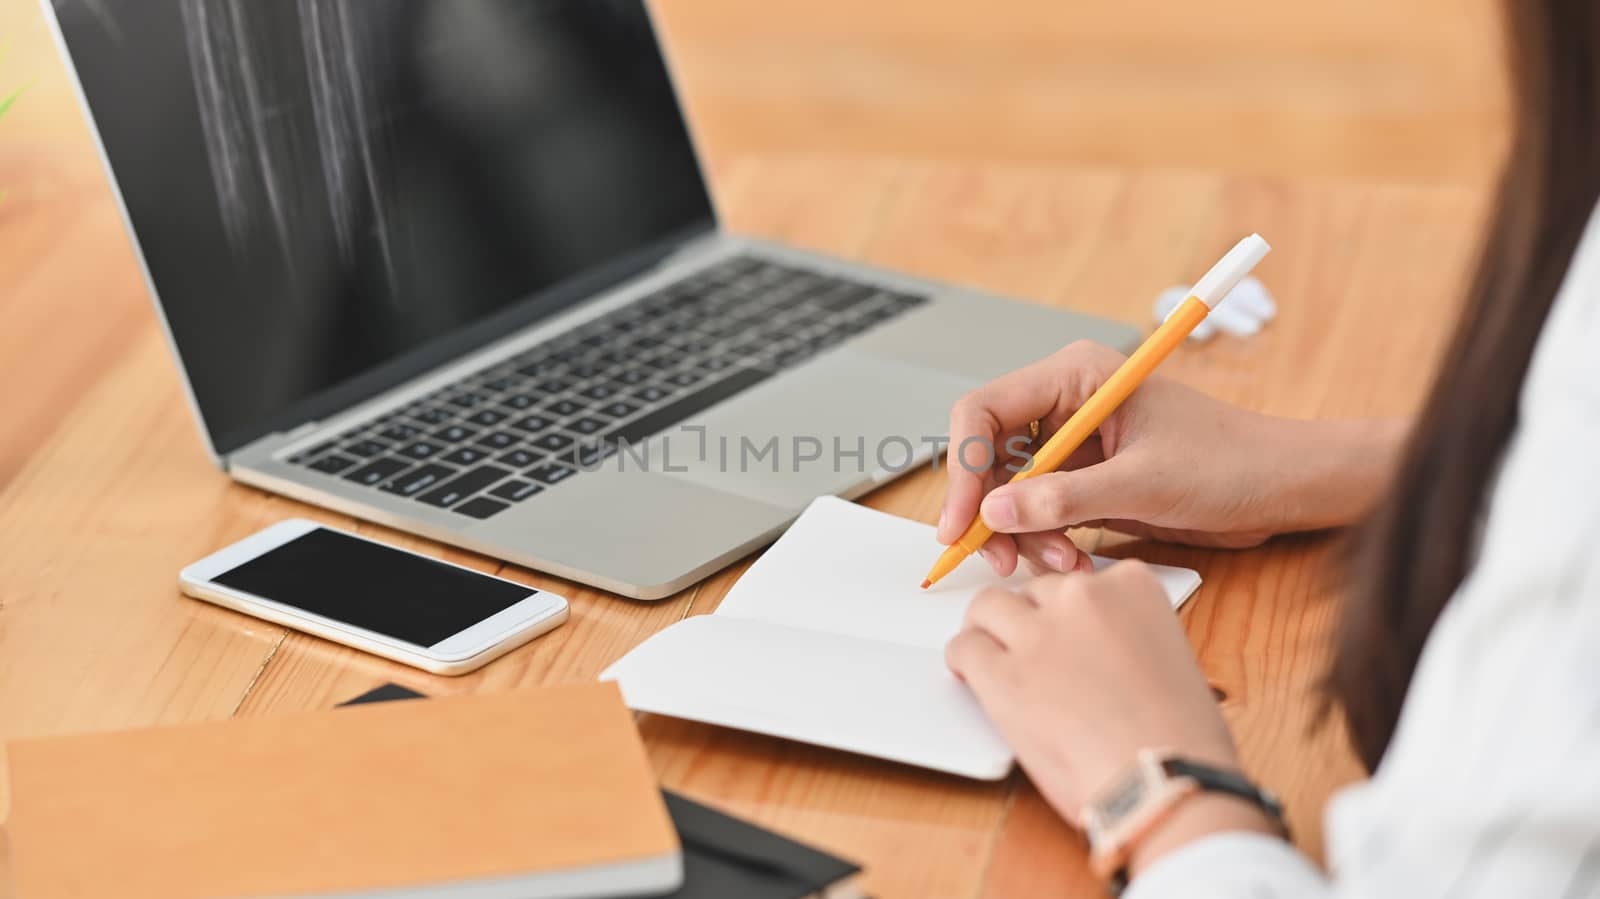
column 505, row 434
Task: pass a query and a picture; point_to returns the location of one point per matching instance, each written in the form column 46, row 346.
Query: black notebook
column 723, row 856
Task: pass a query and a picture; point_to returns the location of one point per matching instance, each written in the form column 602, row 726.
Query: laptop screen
column 333, row 195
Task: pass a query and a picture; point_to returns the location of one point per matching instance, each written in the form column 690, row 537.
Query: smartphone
column 411, row 608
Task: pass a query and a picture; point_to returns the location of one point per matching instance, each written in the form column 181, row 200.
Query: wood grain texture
column 118, row 495
column 1362, row 87
column 1048, row 166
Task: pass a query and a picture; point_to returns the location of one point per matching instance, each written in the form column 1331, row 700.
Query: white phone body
column 464, row 651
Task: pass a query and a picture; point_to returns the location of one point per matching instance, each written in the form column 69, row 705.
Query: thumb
column 1061, row 499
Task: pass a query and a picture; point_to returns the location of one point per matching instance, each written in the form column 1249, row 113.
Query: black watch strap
column 1231, row 783
column 1215, row 780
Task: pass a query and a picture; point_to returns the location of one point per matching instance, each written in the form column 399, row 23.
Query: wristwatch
column 1117, row 819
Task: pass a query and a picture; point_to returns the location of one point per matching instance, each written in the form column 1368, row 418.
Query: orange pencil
column 1124, row 381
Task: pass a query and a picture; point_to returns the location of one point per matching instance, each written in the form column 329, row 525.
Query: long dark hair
column 1418, row 547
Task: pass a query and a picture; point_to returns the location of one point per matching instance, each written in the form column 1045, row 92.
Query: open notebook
column 828, row 639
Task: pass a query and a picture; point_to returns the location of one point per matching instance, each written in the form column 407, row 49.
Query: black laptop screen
column 333, row 194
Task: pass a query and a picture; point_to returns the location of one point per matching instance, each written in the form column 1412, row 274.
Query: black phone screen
column 368, row 585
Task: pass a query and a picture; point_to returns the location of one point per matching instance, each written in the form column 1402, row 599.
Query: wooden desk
column 105, row 491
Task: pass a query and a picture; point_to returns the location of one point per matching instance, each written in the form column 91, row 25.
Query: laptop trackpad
column 822, row 428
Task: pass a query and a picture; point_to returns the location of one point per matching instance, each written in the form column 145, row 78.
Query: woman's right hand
column 1170, row 464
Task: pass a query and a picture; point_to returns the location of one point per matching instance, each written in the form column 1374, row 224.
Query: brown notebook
column 532, row 794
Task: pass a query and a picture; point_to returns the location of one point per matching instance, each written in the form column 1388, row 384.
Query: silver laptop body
column 635, row 422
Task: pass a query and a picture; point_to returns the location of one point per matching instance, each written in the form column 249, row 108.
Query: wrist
column 1164, row 801
column 1197, row 817
column 1334, row 472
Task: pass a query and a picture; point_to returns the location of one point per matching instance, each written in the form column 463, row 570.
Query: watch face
column 1125, row 798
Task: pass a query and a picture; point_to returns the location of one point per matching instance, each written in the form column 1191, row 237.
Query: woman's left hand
column 1082, row 671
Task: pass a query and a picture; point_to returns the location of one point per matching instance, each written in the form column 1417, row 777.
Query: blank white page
column 893, row 702
column 847, row 569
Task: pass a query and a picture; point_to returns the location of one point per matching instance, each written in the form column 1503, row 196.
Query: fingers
column 982, row 420
column 972, row 654
column 1128, row 584
column 1001, row 554
column 1135, row 581
column 979, row 450
column 1005, row 615
column 1115, row 488
column 1050, row 552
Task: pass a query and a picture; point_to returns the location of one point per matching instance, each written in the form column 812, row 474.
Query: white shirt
column 1491, row 786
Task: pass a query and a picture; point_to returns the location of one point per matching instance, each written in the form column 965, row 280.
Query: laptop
column 453, row 267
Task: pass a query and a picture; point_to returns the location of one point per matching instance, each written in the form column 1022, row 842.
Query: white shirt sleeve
column 1491, row 785
column 1242, row 865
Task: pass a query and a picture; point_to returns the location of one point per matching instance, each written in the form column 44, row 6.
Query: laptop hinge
column 302, row 430
column 695, row 246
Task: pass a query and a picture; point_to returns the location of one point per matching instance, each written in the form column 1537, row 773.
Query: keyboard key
column 432, row 416
column 651, row 306
column 552, row 442
column 842, row 297
column 366, row 449
column 633, row 376
column 518, row 458
column 599, row 391
column 305, row 456
column 533, row 423
column 498, row 440
column 332, row 464
column 878, row 314
column 488, row 418
column 685, row 406
column 454, row 434
column 587, row 425
column 836, row 333
column 376, row 472
column 552, row 385
column 588, row 455
column 716, row 363
column 692, row 344
column 619, row 409
column 685, row 296
column 501, row 384
column 538, row 368
column 481, row 507
column 565, row 407
column 550, row 473
column 683, row 378
column 422, row 449
column 466, row 455
column 587, row 370
column 469, row 400
column 398, row 433
column 464, row 486
column 520, row 401
column 516, row 491
column 418, row 480
column 727, row 327
column 652, row 393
